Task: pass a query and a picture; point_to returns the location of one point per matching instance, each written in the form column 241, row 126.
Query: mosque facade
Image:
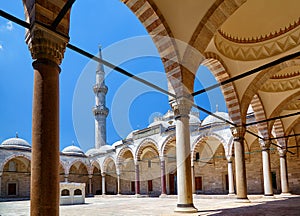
column 144, row 163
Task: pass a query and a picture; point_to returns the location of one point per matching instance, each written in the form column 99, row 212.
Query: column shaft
column 163, row 177
column 240, row 168
column 230, row 178
column 137, row 179
column 103, row 184
column 268, row 190
column 119, row 184
column 193, row 180
column 183, row 161
column 90, row 186
column 284, row 175
column 45, row 139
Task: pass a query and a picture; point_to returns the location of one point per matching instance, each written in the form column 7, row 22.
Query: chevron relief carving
column 281, row 85
column 246, row 51
column 294, row 105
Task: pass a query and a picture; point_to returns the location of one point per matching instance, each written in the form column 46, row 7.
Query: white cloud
column 9, row 26
column 1, row 47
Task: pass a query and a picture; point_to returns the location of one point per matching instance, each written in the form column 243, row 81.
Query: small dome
column 105, row 148
column 213, row 120
column 163, row 123
column 92, row 152
column 119, row 142
column 73, row 150
column 194, row 119
column 16, row 142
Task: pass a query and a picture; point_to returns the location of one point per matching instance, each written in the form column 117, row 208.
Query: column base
column 163, row 196
column 269, row 196
column 232, row 194
column 285, row 194
column 186, row 208
column 242, row 200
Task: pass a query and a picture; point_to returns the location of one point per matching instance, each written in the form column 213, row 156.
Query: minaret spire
column 100, row 110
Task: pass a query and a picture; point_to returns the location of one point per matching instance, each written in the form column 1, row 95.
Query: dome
column 92, row 152
column 16, row 142
column 163, row 123
column 194, row 119
column 119, row 142
column 213, row 120
column 105, row 148
column 73, row 150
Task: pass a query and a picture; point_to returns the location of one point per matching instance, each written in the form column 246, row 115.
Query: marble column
column 230, row 177
column 283, row 174
column 103, row 183
column 90, row 185
column 0, row 184
column 193, row 180
column 163, row 177
column 66, row 176
column 268, row 190
column 47, row 49
column 119, row 183
column 240, row 167
column 182, row 107
column 137, row 179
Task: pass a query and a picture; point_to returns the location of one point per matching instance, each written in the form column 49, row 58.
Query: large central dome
column 16, row 142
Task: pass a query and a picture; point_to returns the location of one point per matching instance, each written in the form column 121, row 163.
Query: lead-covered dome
column 213, row 120
column 16, row 142
column 73, row 150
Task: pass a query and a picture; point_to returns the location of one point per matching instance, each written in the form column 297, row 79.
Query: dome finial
column 73, row 144
column 217, row 108
column 17, row 136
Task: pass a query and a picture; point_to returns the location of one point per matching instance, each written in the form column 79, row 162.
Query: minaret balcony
column 98, row 88
column 100, row 110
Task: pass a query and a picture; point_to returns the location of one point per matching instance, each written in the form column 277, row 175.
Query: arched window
column 77, row 192
column 65, row 192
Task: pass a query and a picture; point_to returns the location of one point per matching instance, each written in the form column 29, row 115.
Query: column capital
column 46, row 44
column 90, row 176
column 238, row 133
column 182, row 106
column 265, row 144
column 282, row 152
column 103, row 174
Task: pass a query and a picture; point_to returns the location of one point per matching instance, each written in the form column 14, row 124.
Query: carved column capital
column 238, row 133
column 282, row 152
column 182, row 106
column 265, row 144
column 46, row 44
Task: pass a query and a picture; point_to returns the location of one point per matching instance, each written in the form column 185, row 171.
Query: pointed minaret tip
column 217, row 108
column 17, row 136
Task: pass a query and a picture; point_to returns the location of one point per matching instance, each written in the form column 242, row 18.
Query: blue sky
column 124, row 42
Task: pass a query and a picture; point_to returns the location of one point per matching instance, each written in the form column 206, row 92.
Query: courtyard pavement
column 206, row 205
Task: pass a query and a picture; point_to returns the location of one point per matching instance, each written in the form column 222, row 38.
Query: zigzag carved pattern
column 280, row 86
column 260, row 50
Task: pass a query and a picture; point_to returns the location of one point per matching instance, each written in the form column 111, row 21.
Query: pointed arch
column 229, row 92
column 12, row 157
column 148, row 144
column 260, row 115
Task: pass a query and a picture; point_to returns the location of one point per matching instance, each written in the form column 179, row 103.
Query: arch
column 77, row 192
column 290, row 128
column 153, row 21
column 260, row 115
column 211, row 22
column 278, row 130
column 229, row 92
column 74, row 162
column 206, row 136
column 146, row 144
column 166, row 144
column 259, row 80
column 12, row 157
column 122, row 152
column 108, row 163
column 281, row 106
column 65, row 192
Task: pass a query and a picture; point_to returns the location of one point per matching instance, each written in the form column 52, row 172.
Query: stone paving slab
column 207, row 205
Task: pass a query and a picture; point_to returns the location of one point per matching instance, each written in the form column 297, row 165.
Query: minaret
column 100, row 110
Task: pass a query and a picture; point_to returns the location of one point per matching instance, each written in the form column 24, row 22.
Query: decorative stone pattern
column 263, row 47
